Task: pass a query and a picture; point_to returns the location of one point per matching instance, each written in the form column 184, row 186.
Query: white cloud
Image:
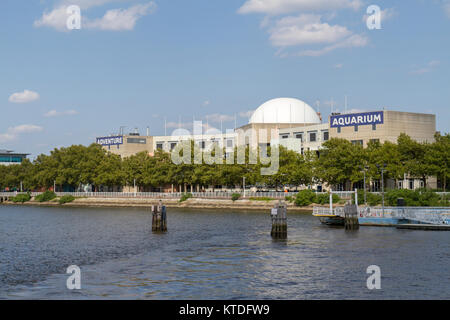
column 386, row 14
column 274, row 7
column 338, row 66
column 355, row 40
column 121, row 19
column 246, row 114
column 13, row 132
column 216, row 117
column 305, row 29
column 57, row 19
column 54, row 113
column 308, row 29
column 446, row 7
column 428, row 68
column 86, row 4
column 112, row 20
column 24, row 97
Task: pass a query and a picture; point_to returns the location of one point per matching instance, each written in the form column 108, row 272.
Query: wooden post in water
column 159, row 218
column 351, row 217
column 279, row 221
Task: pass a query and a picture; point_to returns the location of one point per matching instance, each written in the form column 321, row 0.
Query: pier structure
column 159, row 218
column 279, row 221
column 351, row 221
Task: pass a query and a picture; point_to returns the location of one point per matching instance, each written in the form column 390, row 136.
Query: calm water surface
column 211, row 255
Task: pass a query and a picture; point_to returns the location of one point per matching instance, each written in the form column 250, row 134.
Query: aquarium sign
column 357, row 119
column 110, row 141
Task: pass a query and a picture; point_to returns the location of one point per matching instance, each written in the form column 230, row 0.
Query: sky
column 140, row 63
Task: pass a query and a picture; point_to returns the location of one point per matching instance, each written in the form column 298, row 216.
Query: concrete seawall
column 193, row 203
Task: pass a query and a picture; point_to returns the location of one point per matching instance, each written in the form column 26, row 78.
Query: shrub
column 21, row 198
column 66, row 199
column 235, row 196
column 46, row 196
column 413, row 198
column 185, row 196
column 372, row 198
column 289, row 198
column 305, row 198
column 325, row 198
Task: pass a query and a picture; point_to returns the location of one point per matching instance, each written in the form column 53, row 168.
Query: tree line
column 339, row 162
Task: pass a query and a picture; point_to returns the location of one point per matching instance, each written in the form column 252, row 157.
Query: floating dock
column 427, row 227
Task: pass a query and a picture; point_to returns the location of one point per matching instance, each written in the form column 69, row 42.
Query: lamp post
column 364, row 169
column 243, row 184
column 382, row 168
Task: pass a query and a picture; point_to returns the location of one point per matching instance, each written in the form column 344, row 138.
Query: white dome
column 285, row 110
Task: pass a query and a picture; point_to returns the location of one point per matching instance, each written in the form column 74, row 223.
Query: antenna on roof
column 345, row 104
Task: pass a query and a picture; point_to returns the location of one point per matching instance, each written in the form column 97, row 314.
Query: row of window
column 11, row 159
column 361, row 142
column 312, row 136
column 201, row 144
column 356, row 128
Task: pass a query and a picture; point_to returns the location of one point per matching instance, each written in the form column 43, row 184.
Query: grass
column 261, row 199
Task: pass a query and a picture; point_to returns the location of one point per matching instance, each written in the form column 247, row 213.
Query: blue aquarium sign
column 110, row 141
column 357, row 119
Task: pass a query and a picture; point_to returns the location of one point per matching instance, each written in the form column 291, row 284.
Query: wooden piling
column 279, row 221
column 159, row 218
column 351, row 217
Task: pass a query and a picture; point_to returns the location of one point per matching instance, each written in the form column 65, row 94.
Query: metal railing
column 175, row 195
column 427, row 215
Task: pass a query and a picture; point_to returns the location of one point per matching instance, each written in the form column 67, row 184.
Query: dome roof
column 285, row 110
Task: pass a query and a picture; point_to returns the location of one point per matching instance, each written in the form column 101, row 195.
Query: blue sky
column 135, row 63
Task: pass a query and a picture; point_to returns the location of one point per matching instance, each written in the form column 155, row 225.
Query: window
column 312, row 137
column 357, row 142
column 173, row 145
column 137, row 140
column 376, row 187
column 284, row 136
column 302, row 151
column 299, row 136
column 374, row 140
column 202, row 144
column 356, row 128
column 326, row 136
column 11, row 159
column 159, row 146
column 374, row 127
column 338, row 129
column 411, row 184
column 400, row 185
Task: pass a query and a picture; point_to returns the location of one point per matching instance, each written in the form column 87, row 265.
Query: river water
column 210, row 254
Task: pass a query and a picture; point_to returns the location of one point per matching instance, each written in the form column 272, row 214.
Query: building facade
column 293, row 124
column 8, row 157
